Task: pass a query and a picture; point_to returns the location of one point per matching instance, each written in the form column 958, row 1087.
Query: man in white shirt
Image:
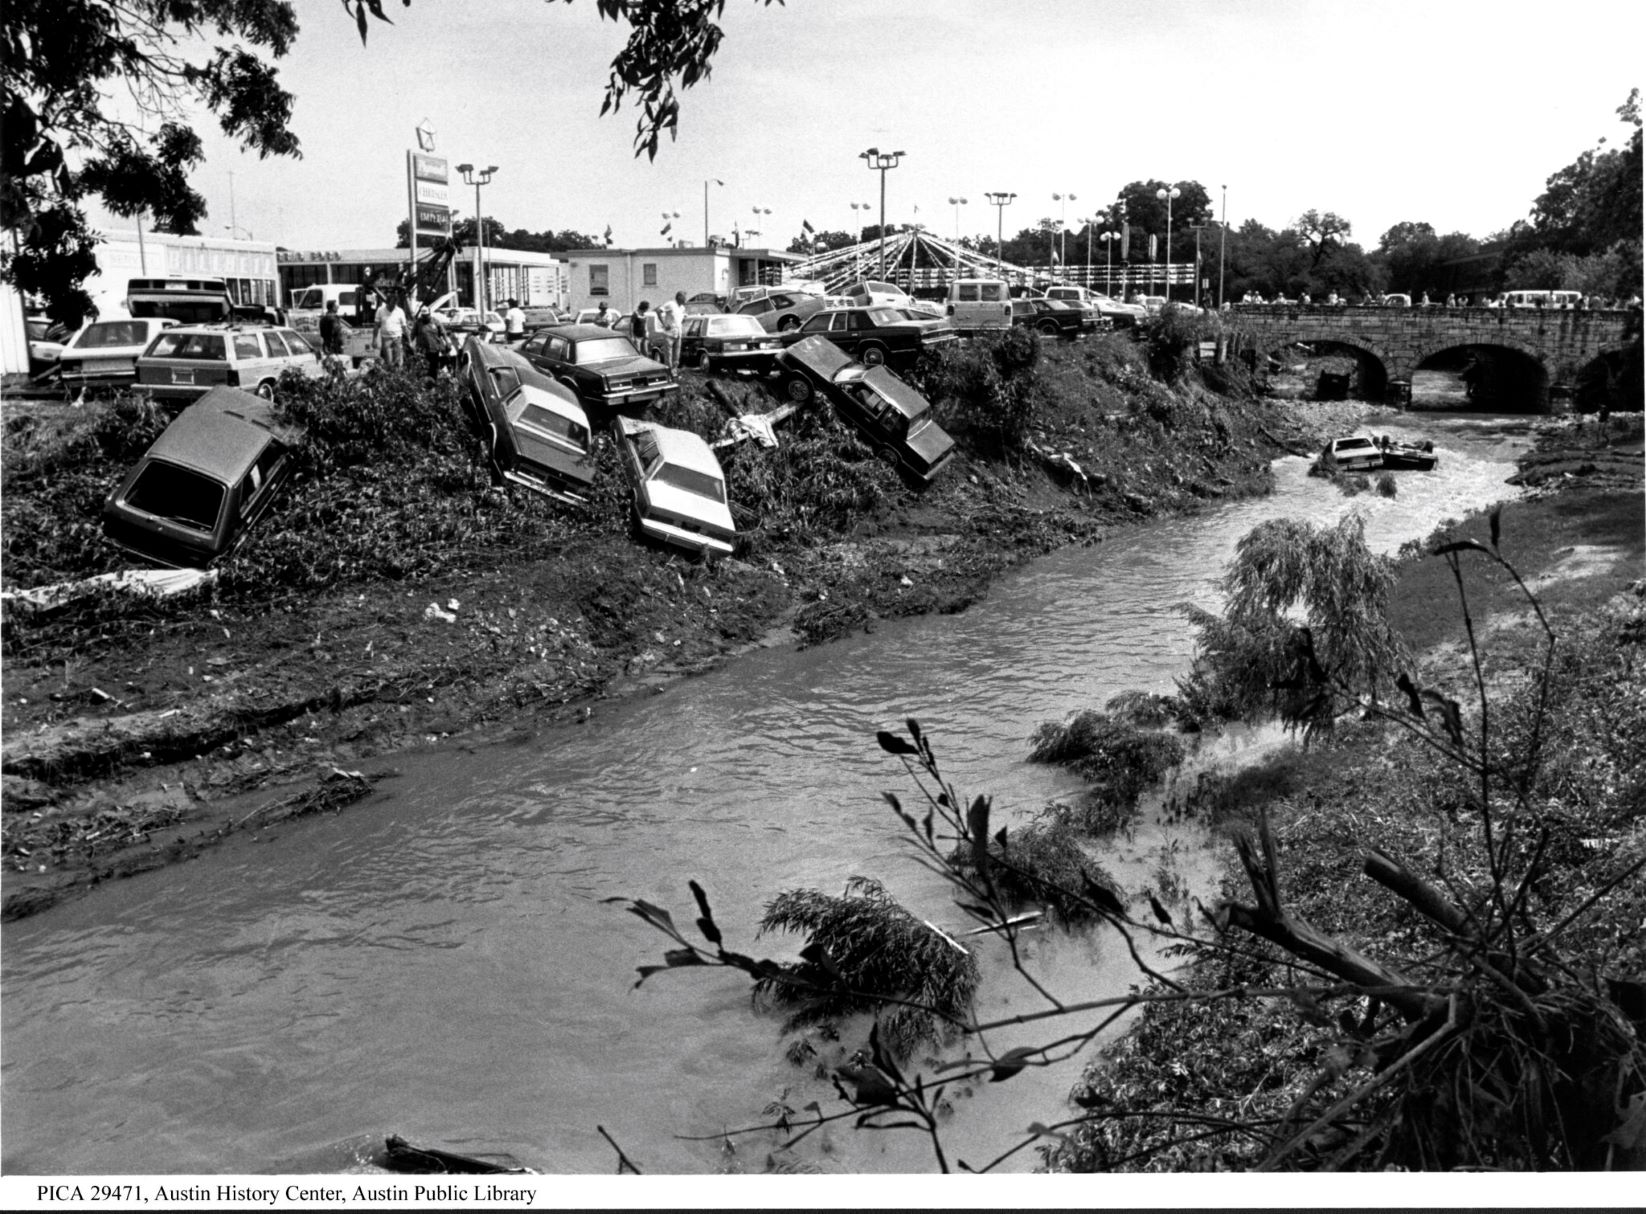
column 514, row 321
column 391, row 332
column 668, row 325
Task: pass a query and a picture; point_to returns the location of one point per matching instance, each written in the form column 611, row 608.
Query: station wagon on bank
column 104, row 354
column 201, row 485
column 602, row 367
column 185, row 362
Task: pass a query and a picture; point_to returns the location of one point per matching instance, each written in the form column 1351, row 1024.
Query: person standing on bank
column 391, row 332
column 639, row 326
column 668, row 325
column 514, row 321
column 331, row 331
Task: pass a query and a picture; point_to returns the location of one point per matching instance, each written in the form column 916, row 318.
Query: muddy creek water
column 437, row 961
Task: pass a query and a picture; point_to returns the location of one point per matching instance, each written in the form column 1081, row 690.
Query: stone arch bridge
column 1540, row 348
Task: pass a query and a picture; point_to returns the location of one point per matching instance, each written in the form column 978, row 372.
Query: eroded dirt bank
column 136, row 736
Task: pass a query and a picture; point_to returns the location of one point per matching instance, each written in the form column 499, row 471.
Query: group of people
column 655, row 331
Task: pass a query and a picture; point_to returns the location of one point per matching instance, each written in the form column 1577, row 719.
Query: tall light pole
column 758, row 212
column 881, row 161
column 476, row 178
column 1091, row 227
column 957, row 203
column 1168, row 195
column 857, row 234
column 1000, row 199
column 1197, row 227
column 1222, row 236
column 1062, row 227
column 1108, row 238
column 706, row 182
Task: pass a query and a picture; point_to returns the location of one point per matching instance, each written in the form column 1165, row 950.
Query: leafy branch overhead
column 676, row 40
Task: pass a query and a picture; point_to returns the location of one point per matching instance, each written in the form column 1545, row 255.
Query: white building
column 532, row 278
column 623, row 277
column 248, row 266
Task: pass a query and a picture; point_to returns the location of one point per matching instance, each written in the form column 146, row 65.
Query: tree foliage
column 99, row 100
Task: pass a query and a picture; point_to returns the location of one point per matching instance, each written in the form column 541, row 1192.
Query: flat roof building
column 621, row 278
column 532, row 278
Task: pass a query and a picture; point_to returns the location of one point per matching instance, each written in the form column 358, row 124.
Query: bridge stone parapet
column 1560, row 341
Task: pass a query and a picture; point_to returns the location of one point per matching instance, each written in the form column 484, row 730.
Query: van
column 1540, row 299
column 188, row 301
column 980, row 303
column 347, row 296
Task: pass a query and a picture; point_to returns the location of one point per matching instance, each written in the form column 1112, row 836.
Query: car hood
column 540, row 450
column 677, row 501
column 930, row 442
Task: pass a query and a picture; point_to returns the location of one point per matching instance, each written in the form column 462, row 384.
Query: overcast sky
column 1449, row 111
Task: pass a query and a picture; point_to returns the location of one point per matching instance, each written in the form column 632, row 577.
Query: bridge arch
column 1375, row 364
column 1499, row 372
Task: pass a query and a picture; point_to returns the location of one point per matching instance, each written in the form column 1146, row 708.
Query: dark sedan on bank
column 727, row 343
column 535, row 433
column 1053, row 317
column 602, row 367
column 876, row 335
column 204, row 482
column 891, row 416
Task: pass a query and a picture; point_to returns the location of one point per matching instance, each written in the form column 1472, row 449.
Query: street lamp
column 881, row 161
column 1091, row 227
column 1062, row 226
column 478, row 178
column 1222, row 234
column 1108, row 238
column 1168, row 195
column 758, row 211
column 1000, row 199
column 957, row 203
column 706, row 181
column 1197, row 227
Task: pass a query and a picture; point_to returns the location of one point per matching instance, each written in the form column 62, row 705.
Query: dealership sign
column 428, row 194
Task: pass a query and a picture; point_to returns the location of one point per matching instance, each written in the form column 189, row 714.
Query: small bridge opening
column 1327, row 370
column 1495, row 379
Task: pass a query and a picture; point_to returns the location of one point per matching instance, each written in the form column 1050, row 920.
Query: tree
column 64, row 144
column 1146, row 212
column 806, row 244
column 1323, row 233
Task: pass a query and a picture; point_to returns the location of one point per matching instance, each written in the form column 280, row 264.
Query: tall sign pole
column 428, row 181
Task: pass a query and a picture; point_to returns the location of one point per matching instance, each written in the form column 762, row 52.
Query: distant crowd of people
column 1570, row 301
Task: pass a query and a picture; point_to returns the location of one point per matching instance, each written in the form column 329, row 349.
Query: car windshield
column 179, row 494
column 601, row 349
column 729, row 326
column 692, row 481
column 539, row 418
column 208, row 346
column 1353, row 444
column 113, row 333
column 885, row 316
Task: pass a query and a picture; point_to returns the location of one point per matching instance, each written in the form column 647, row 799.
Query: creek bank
column 135, row 734
column 1247, row 1065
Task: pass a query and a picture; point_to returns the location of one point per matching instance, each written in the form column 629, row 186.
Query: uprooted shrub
column 988, row 392
column 1256, row 657
column 1118, row 760
column 1044, row 864
column 862, row 948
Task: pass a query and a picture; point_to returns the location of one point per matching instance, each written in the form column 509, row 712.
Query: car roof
column 909, row 402
column 820, row 355
column 583, row 332
column 223, row 433
column 681, row 448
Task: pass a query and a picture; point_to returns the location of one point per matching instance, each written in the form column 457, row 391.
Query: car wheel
column 872, row 355
column 266, row 389
column 1049, row 328
column 788, row 324
column 889, row 457
column 703, row 360
column 798, row 389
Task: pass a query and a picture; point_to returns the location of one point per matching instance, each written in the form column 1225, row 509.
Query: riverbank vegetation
column 393, row 596
column 1426, row 949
